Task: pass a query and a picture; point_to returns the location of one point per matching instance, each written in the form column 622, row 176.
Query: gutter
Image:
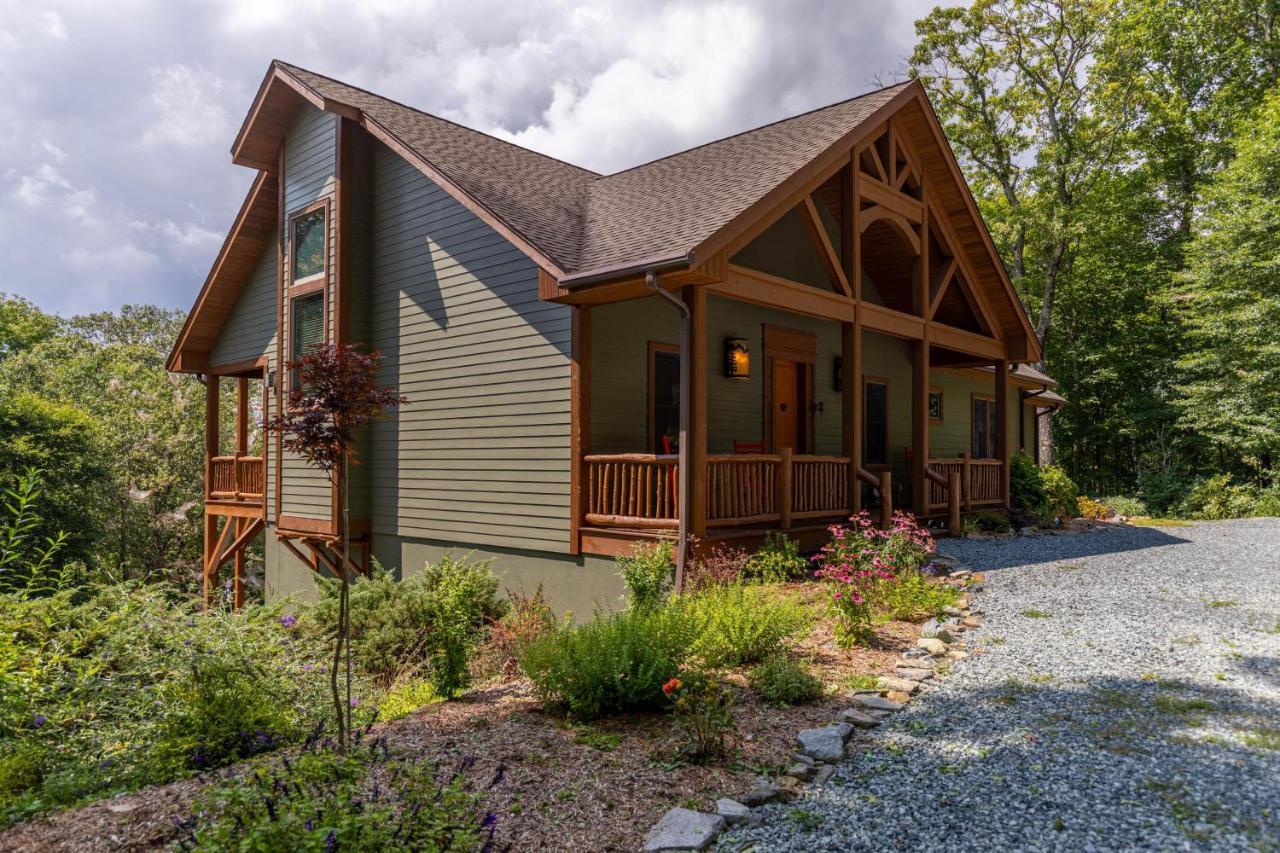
column 573, row 282
column 686, row 378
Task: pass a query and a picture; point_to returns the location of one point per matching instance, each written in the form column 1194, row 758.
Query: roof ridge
column 291, row 67
column 782, row 120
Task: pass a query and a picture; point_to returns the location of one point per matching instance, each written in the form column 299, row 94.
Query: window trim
column 306, row 210
column 973, row 424
column 654, row 347
column 868, row 379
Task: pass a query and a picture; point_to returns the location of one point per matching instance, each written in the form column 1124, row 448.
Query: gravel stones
column 684, row 829
column 1120, row 724
column 826, row 743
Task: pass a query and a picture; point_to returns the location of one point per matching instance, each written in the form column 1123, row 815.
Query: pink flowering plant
column 860, row 561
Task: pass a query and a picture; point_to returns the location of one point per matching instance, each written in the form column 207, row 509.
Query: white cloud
column 118, row 119
column 186, row 108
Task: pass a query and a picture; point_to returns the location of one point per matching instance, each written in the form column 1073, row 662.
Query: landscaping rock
column 972, row 621
column 951, row 610
column 898, row 696
column 826, row 743
column 684, row 829
column 957, row 654
column 735, row 812
column 933, row 630
column 802, row 758
column 902, row 685
column 909, row 654
column 861, row 719
column 914, row 673
column 804, row 772
column 1029, row 531
column 824, row 774
column 765, row 791
column 878, row 703
column 961, row 574
column 932, row 645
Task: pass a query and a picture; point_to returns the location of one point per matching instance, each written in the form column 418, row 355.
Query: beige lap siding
column 480, row 455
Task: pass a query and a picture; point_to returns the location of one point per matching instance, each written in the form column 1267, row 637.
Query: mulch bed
column 597, row 786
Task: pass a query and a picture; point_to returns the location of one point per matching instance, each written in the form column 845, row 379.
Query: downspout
column 686, row 380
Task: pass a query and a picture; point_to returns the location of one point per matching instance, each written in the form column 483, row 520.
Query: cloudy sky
column 115, row 181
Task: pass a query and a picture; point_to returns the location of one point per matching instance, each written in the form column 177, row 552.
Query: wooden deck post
column 919, row 427
column 886, row 499
column 953, row 503
column 966, row 481
column 211, row 415
column 851, row 334
column 1002, row 427
column 238, row 583
column 784, row 488
column 696, row 299
column 580, row 422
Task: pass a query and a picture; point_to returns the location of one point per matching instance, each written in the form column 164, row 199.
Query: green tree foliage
column 121, row 441
column 1230, row 300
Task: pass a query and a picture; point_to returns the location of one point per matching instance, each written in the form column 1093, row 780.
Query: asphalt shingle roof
column 584, row 221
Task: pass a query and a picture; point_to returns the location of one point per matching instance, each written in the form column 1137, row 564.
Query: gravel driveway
column 1126, row 697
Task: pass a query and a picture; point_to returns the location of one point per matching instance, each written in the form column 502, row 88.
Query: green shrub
column 427, row 624
column 702, row 704
column 1268, row 503
column 1026, row 489
column 647, row 573
column 1087, row 507
column 323, row 801
column 1162, row 491
column 1060, row 492
column 988, row 521
column 724, row 564
column 405, row 697
column 783, row 680
column 112, row 688
column 1217, row 497
column 617, row 662
column 778, row 560
column 1126, row 506
column 529, row 618
column 911, row 597
column 745, row 624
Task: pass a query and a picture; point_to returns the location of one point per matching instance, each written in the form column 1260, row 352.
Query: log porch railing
column 237, row 478
column 640, row 489
column 980, row 481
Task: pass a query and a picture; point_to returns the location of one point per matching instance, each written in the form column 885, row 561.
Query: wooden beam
column 580, row 420
column 696, row 299
column 242, row 415
column 826, row 252
column 940, row 283
column 772, row 291
column 891, row 199
column 959, row 340
column 899, row 324
column 871, row 214
column 1002, row 427
column 919, row 427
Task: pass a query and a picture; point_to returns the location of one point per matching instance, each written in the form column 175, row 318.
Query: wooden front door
column 786, row 404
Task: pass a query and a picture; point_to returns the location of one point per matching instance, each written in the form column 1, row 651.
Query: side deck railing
column 237, row 478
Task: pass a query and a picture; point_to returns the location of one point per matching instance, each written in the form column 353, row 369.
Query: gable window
column 664, row 398
column 875, row 427
column 984, row 428
column 310, row 241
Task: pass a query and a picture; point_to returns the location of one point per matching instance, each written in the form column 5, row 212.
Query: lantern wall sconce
column 737, row 359
column 837, row 373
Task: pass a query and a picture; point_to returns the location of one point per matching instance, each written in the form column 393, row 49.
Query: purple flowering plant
column 860, row 561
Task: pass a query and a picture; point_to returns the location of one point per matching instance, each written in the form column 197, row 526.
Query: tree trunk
column 1044, row 438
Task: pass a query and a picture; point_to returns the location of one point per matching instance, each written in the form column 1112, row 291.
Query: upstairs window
column 306, row 326
column 310, row 241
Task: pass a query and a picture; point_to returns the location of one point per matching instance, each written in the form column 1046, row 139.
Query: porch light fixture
column 737, row 359
column 837, row 373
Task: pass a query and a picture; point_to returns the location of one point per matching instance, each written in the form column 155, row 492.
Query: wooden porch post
column 851, row 407
column 919, row 427
column 696, row 299
column 1002, row 427
column 242, row 448
column 580, row 421
column 210, row 450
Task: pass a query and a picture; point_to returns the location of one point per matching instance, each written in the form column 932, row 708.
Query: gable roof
column 579, row 225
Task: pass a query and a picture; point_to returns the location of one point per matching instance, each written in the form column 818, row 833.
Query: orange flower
column 671, row 686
